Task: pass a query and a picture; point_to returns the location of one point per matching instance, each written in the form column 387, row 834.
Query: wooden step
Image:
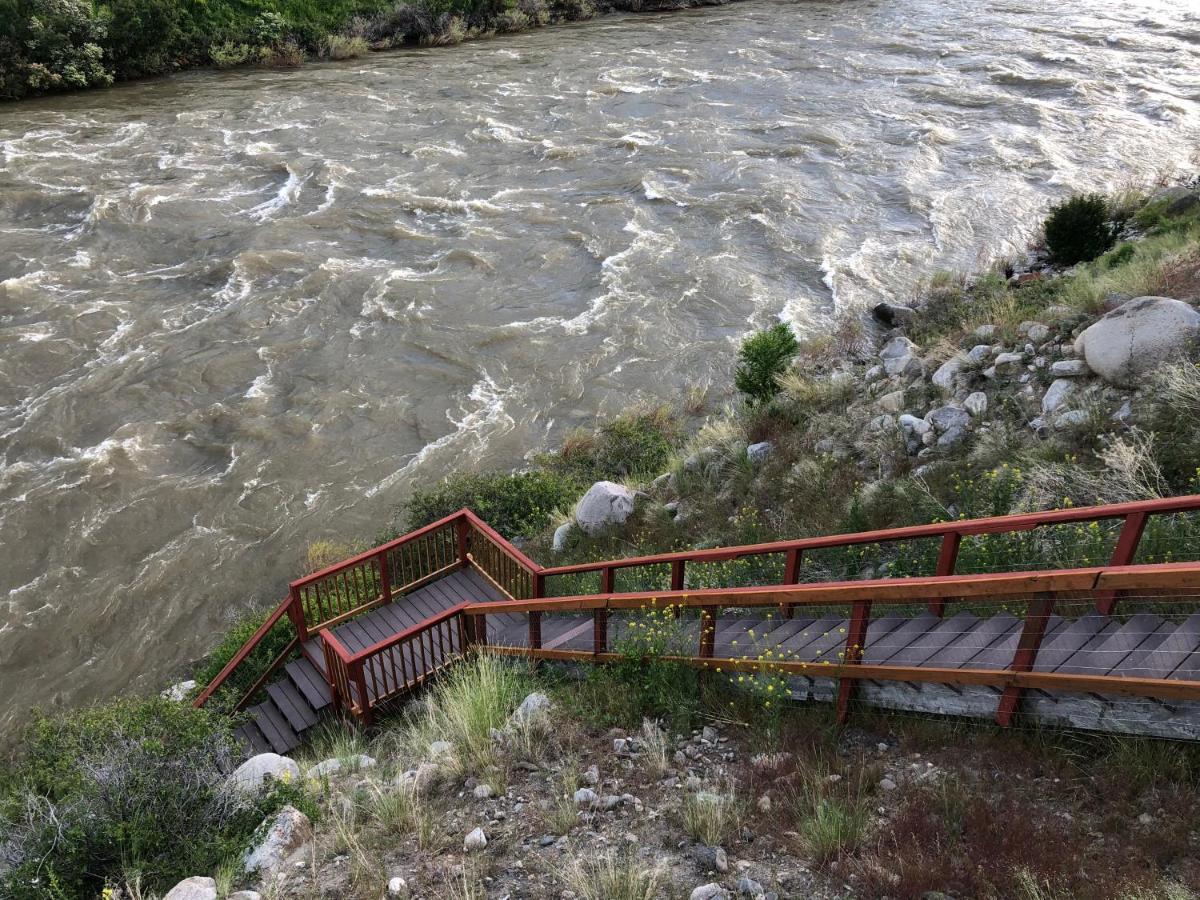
column 274, row 726
column 252, row 738
column 312, row 684
column 288, row 699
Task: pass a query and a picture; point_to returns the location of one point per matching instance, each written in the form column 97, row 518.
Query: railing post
column 791, row 575
column 360, row 680
column 385, row 578
column 463, row 529
column 677, row 571
column 1037, row 617
column 947, row 557
column 479, row 636
column 539, row 586
column 600, row 615
column 535, row 631
column 296, row 614
column 856, row 640
column 708, row 631
column 1123, row 555
column 331, row 661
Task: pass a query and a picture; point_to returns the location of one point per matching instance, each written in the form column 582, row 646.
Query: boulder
column 947, row 374
column 759, row 452
column 1057, row 394
column 397, row 887
column 1069, row 368
column 180, row 690
column 605, row 504
column 893, row 402
column 980, row 353
column 287, row 832
column 985, row 332
column 976, row 404
column 1009, row 363
column 881, row 423
column 586, row 797
column 893, row 315
column 244, row 895
column 1038, row 333
column 422, row 781
column 475, row 840
column 561, row 533
column 1136, row 337
column 335, row 766
column 913, row 430
column 1072, row 418
column 534, row 706
column 952, row 437
column 945, row 418
column 194, row 888
column 252, row 775
column 710, row 891
column 900, row 357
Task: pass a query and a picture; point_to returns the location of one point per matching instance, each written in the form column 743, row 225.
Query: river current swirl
column 240, row 311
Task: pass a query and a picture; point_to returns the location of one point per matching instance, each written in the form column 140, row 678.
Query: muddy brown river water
column 240, row 311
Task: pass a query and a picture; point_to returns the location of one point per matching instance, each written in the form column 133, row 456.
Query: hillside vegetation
column 53, row 45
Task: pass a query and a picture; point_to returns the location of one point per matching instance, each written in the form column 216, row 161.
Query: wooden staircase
column 375, row 627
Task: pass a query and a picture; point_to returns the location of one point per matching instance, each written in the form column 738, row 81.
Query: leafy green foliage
column 135, row 783
column 515, row 505
column 1078, row 229
column 50, row 45
column 637, row 443
column 763, row 358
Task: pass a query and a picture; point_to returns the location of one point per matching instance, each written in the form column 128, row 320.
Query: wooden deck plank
column 1164, row 659
column 1118, row 645
column 292, row 704
column 796, row 647
column 888, row 635
column 312, row 685
column 966, row 648
column 275, row 727
column 934, row 641
column 1057, row 649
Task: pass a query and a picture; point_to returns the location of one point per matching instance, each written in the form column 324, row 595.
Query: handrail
column 999, row 586
column 961, row 527
column 247, row 648
column 1038, row 589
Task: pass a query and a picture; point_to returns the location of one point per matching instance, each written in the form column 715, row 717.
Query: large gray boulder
column 255, row 773
column 605, row 504
column 1137, row 337
column 287, row 832
column 194, row 888
column 900, row 357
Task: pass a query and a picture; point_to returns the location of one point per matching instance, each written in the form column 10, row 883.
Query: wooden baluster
column 331, row 663
column 791, row 575
column 856, row 640
column 708, row 631
column 1037, row 617
column 947, row 557
column 1123, row 555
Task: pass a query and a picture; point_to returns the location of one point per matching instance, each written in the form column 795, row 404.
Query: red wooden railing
column 320, row 601
column 1038, row 591
column 951, row 534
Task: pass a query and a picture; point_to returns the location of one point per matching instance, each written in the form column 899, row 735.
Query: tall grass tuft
column 612, row 876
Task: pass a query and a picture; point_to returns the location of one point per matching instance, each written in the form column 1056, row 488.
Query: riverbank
column 47, row 47
column 1068, row 376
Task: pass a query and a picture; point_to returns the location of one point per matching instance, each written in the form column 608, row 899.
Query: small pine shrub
column 1078, row 229
column 763, row 358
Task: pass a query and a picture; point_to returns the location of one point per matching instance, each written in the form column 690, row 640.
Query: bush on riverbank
column 56, row 45
column 125, row 791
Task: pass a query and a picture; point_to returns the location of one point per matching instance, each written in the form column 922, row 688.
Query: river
column 241, row 311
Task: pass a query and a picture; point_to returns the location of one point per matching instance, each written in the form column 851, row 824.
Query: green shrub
column 1078, row 229
column 132, row 784
column 763, row 358
column 50, row 45
column 637, row 443
column 1121, row 256
column 230, row 55
column 143, row 36
column 340, row 46
column 515, row 505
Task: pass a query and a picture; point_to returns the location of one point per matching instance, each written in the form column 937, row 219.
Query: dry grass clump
column 612, row 876
column 709, row 817
column 344, row 46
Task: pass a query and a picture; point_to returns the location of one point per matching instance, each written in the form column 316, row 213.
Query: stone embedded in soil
column 475, row 840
